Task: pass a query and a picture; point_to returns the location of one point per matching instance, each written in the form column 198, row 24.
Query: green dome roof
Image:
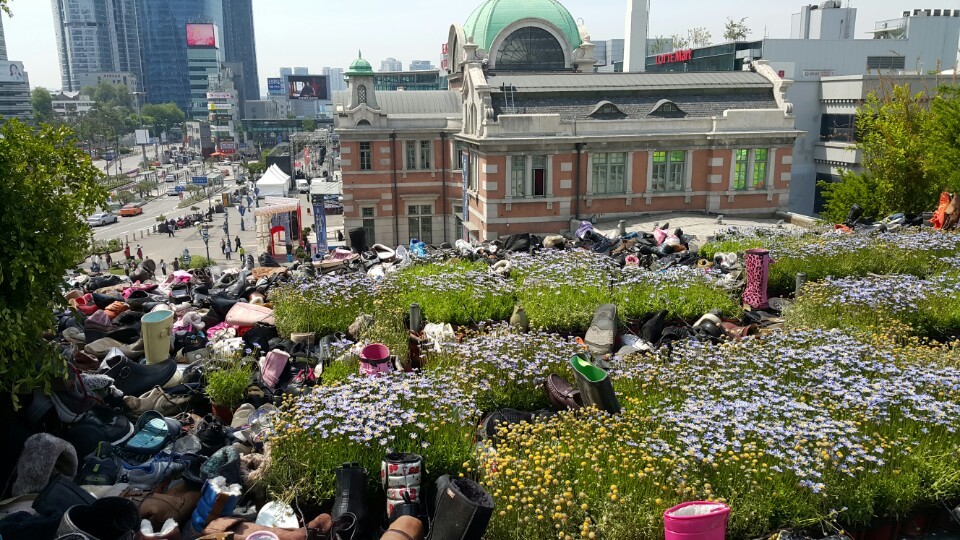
column 493, row 16
column 359, row 67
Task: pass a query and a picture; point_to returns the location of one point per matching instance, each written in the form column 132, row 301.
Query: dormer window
column 362, row 94
column 606, row 110
column 667, row 108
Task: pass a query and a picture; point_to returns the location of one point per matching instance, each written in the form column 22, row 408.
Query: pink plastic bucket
column 696, row 520
column 374, row 359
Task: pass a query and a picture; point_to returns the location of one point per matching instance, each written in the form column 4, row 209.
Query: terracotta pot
column 881, row 531
column 917, row 523
column 223, row 413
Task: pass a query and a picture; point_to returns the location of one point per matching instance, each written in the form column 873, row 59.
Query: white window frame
column 749, row 180
column 419, row 217
column 670, row 171
column 592, row 162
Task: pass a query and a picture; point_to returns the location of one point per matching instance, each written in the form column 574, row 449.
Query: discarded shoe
column 602, row 332
column 596, row 389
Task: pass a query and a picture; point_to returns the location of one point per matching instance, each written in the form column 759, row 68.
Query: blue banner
column 465, row 168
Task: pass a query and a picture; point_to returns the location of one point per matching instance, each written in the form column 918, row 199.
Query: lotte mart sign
column 684, row 55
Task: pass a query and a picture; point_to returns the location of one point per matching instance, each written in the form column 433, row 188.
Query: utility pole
column 143, row 147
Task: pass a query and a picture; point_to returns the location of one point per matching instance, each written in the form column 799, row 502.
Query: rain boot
column 350, row 498
column 463, row 510
column 401, row 477
column 519, row 319
column 156, row 331
column 758, row 270
column 596, row 389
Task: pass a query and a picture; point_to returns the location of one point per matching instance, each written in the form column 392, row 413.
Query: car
column 173, row 192
column 131, row 209
column 102, row 218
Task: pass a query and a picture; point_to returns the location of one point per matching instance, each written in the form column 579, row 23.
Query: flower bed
column 686, row 293
column 823, row 253
column 364, row 418
column 456, row 292
column 561, row 289
column 881, row 304
column 505, row 369
column 792, row 430
column 323, row 305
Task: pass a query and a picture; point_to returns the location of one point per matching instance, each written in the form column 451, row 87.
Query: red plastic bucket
column 696, row 520
column 375, row 352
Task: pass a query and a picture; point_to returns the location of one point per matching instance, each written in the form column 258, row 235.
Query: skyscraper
column 239, row 43
column 391, row 64
column 96, row 36
column 635, row 46
column 163, row 43
column 3, row 43
column 421, row 65
column 14, row 86
column 335, row 78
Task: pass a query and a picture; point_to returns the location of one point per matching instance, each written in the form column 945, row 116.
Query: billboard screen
column 11, row 72
column 307, row 87
column 275, row 86
column 201, row 35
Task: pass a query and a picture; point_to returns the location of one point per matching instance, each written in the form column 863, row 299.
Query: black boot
column 358, row 240
column 652, row 328
column 463, row 510
column 856, row 212
column 109, row 517
column 595, row 386
column 351, row 480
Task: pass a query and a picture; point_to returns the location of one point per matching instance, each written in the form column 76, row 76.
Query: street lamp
column 143, row 147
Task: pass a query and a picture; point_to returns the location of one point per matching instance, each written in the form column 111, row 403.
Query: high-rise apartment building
column 335, row 79
column 96, row 36
column 14, row 86
column 204, row 59
column 240, row 45
column 421, row 65
column 163, row 42
column 391, row 64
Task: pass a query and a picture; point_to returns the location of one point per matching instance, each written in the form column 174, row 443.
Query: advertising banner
column 201, row 35
column 275, row 86
column 307, row 87
column 465, row 167
column 11, row 72
column 219, row 95
column 143, row 136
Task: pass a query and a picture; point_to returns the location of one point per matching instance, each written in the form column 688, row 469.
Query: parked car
column 102, row 218
column 131, row 209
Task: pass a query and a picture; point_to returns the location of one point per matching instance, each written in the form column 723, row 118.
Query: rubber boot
column 596, row 389
column 350, row 498
column 157, row 331
column 401, row 477
column 463, row 510
column 758, row 271
column 358, row 240
column 856, row 212
column 652, row 329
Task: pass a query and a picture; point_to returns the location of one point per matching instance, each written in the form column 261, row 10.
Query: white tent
column 273, row 183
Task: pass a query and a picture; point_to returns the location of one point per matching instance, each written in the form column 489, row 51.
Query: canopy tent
column 273, row 183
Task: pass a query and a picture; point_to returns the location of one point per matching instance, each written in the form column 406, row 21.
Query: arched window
column 607, row 111
column 362, row 94
column 363, row 122
column 668, row 109
column 531, row 49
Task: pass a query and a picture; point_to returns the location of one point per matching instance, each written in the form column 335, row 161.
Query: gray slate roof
column 421, row 103
column 575, row 95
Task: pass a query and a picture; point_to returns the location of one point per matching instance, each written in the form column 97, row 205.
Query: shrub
column 363, row 419
column 505, row 368
column 323, row 305
column 200, row 262
column 455, row 292
column 560, row 290
column 227, row 387
column 686, row 293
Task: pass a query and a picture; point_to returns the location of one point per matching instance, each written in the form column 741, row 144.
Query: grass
column 323, row 305
column 684, row 293
column 455, row 292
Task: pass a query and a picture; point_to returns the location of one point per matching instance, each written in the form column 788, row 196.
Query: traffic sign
column 178, row 189
column 199, row 180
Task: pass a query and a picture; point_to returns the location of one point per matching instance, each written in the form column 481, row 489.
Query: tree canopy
column 47, row 188
column 162, row 116
column 104, row 93
column 736, row 30
column 42, row 104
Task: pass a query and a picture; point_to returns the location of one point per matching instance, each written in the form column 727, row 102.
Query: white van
column 170, row 178
column 303, row 186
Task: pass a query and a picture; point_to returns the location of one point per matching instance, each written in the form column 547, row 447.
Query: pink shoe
column 272, row 366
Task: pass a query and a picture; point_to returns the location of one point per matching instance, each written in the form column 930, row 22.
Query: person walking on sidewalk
column 227, row 251
column 176, row 264
column 126, row 252
column 237, row 239
column 223, row 246
column 139, row 252
column 241, row 253
column 109, row 261
column 163, row 267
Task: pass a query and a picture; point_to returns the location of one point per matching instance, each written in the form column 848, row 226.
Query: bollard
column 801, row 281
column 622, row 228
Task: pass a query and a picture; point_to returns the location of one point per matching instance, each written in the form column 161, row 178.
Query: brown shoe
column 177, row 503
column 156, row 400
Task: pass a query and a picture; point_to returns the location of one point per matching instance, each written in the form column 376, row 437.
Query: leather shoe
column 135, row 379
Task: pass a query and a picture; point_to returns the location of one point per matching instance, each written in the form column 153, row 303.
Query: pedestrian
column 170, row 227
column 223, row 246
column 139, row 252
column 241, row 253
column 339, row 236
column 237, row 240
column 126, row 252
column 176, row 264
column 163, row 267
column 109, row 261
column 306, row 247
column 227, row 251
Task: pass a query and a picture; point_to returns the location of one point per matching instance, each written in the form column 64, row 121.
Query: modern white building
column 335, row 79
column 919, row 41
column 67, row 104
column 391, row 64
column 224, row 110
column 14, row 87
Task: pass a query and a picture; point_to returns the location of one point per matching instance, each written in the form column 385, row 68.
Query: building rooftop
column 578, row 82
column 424, row 103
column 491, row 17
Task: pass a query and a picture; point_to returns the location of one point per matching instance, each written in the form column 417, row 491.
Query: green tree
column 736, row 30
column 943, row 136
column 309, row 125
column 144, row 187
column 678, row 41
column 892, row 131
column 125, row 197
column 42, row 104
column 105, row 93
column 660, row 45
column 47, row 187
column 162, row 116
column 700, row 36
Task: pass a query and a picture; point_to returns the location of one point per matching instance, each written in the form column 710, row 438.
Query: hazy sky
column 317, row 33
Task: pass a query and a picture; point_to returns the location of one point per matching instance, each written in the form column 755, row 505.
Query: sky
column 318, row 33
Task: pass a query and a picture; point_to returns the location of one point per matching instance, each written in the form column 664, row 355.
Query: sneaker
column 211, row 434
column 101, row 468
column 150, row 474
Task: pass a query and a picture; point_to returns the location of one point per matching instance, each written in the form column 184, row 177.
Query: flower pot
column 943, row 518
column 917, row 523
column 881, row 531
column 223, row 413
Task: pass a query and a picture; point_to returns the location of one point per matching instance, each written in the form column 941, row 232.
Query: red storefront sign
column 676, row 56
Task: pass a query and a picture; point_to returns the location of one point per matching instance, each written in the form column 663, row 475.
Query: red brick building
column 544, row 143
